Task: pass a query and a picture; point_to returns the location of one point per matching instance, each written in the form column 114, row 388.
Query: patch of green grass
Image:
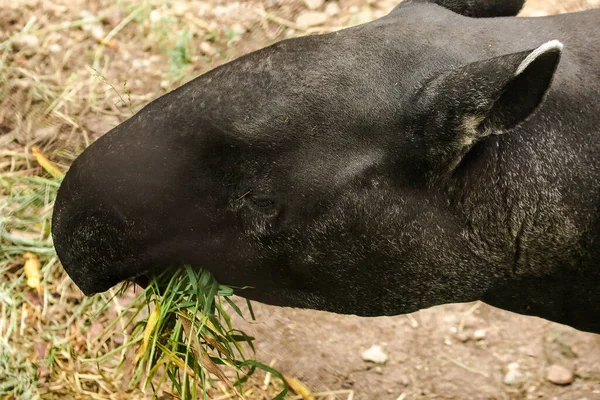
column 17, row 373
column 188, row 336
column 25, row 210
column 180, row 56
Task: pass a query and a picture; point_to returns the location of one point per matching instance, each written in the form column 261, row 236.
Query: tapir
column 446, row 152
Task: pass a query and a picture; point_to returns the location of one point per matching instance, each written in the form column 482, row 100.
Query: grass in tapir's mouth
column 188, row 336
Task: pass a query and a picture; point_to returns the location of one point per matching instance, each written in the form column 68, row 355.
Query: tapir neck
column 531, row 201
column 568, row 297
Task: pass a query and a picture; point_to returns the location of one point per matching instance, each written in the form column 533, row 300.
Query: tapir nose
column 91, row 239
column 137, row 199
column 111, row 203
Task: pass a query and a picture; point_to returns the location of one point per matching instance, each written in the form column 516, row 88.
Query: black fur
column 420, row 159
column 479, row 8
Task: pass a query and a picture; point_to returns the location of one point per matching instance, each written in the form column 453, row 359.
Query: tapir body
column 430, row 156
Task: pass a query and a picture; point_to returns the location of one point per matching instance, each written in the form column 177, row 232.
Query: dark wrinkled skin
column 338, row 172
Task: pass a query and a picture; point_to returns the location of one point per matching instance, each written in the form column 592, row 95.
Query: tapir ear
column 486, row 97
column 525, row 89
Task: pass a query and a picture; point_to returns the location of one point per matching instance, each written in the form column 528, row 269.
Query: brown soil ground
column 433, row 354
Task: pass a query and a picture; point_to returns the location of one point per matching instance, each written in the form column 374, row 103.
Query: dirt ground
column 460, row 351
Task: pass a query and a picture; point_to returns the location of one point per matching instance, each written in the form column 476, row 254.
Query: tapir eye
column 259, row 203
column 262, row 203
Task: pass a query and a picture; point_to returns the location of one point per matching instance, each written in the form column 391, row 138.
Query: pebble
column 463, row 336
column 479, row 334
column 207, row 49
column 311, row 18
column 140, row 63
column 25, row 42
column 513, row 375
column 559, row 375
column 180, row 8
column 155, row 16
column 451, row 319
column 375, row 354
column 46, row 132
column 314, row 4
column 332, row 8
column 55, row 48
column 403, row 380
column 238, row 29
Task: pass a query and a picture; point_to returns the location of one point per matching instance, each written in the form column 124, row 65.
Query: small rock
column 86, row 15
column 54, row 48
column 379, row 370
column 513, row 375
column 60, row 9
column 311, row 18
column 332, row 8
column 451, row 319
column 348, row 382
column 238, row 29
column 46, row 132
column 180, row 8
column 155, row 16
column 403, row 380
column 463, row 336
column 314, row 4
column 479, row 334
column 559, row 375
column 207, row 49
column 375, row 354
column 97, row 32
column 140, row 63
column 289, row 33
column 25, row 42
column 470, row 321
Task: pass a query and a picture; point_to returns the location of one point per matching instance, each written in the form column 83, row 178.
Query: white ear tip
column 553, row 45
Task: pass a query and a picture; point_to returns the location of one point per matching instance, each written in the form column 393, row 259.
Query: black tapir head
column 316, row 170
